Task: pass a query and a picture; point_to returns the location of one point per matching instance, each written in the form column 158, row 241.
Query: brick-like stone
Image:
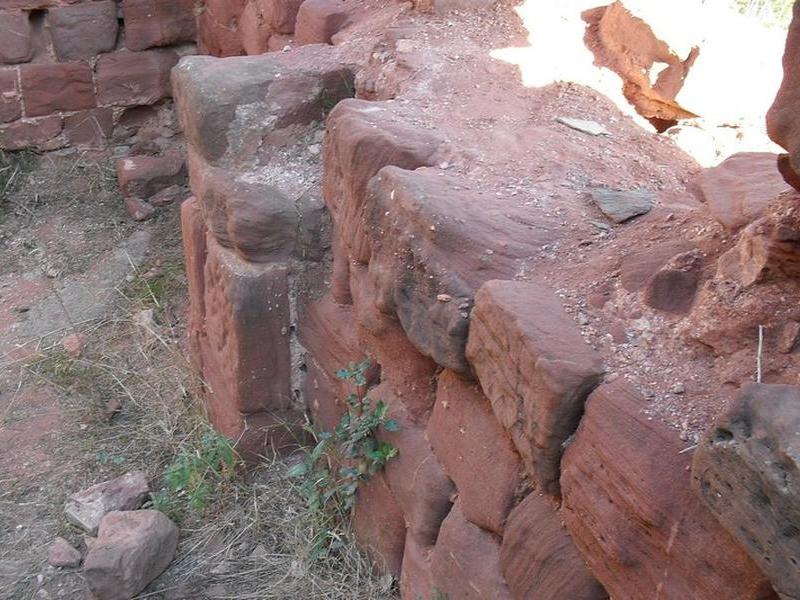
column 254, row 30
column 747, row 471
column 16, row 45
column 218, row 28
column 465, row 562
column 89, row 127
column 281, row 14
column 318, row 21
column 130, row 78
column 152, row 23
column 538, row 558
column 143, row 176
column 475, row 452
column 535, row 368
column 48, row 88
column 10, row 101
column 631, row 511
column 30, row 133
column 379, row 526
column 81, row 31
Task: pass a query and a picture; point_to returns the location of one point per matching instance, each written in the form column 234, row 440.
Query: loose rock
column 87, row 508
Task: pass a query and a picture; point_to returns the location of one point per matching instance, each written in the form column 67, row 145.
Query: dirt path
column 74, row 264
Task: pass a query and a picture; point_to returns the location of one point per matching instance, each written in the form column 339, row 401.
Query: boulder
column 783, row 123
column 379, row 526
column 535, row 368
column 150, row 23
column 16, row 45
column 318, row 21
column 739, row 189
column 143, row 176
column 630, row 509
column 538, row 558
column 131, row 550
column 61, row 554
column 475, row 451
column 465, row 562
column 127, row 78
column 747, row 471
column 87, row 508
column 10, row 102
column 81, row 31
column 48, row 88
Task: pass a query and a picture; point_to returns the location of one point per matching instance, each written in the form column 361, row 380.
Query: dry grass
column 254, row 537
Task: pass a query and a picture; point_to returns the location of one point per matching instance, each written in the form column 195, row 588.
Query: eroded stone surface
column 746, row 469
column 86, row 509
column 81, row 31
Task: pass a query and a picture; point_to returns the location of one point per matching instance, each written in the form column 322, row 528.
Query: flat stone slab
column 621, row 206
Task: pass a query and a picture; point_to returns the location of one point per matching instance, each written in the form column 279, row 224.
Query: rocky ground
column 93, row 384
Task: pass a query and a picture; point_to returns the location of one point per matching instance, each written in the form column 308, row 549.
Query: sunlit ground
column 734, row 80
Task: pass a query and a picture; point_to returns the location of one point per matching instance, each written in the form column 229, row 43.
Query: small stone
column 145, row 319
column 138, row 209
column 584, row 126
column 444, row 297
column 678, row 388
column 582, row 319
column 259, row 552
column 62, row 555
column 73, row 344
column 620, row 206
column 87, row 508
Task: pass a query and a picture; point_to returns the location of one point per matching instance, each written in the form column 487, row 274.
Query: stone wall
column 84, row 73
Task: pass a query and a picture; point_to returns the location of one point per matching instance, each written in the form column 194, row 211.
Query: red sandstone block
column 319, row 20
column 631, row 511
column 278, row 41
column 48, row 88
column 416, row 580
column 15, row 36
column 89, row 127
column 281, row 14
column 475, row 452
column 379, row 526
column 254, row 30
column 218, row 28
column 130, row 78
column 466, row 561
column 30, row 133
column 142, row 176
column 83, row 30
column 538, row 558
column 151, row 23
column 10, row 102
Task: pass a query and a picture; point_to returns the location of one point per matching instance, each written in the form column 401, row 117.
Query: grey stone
column 86, row 509
column 620, row 206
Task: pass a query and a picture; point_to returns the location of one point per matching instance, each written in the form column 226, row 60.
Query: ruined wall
column 325, row 229
column 86, row 72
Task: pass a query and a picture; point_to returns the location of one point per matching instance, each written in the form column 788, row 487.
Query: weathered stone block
column 465, row 562
column 535, row 368
column 475, row 452
column 16, row 45
column 538, row 558
column 89, row 127
column 31, row 133
column 151, row 23
column 142, row 176
column 379, row 526
column 281, row 14
column 48, row 88
column 747, row 471
column 254, row 29
column 630, row 509
column 416, row 580
column 129, row 78
column 87, row 508
column 10, row 102
column 81, row 31
column 319, row 20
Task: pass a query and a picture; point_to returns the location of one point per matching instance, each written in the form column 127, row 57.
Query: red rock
column 538, row 558
column 673, row 288
column 415, row 477
column 254, row 29
column 29, row 133
column 10, row 103
column 15, row 42
column 746, row 471
column 90, row 127
column 640, row 266
column 278, row 42
column 216, row 39
column 416, row 580
column 130, row 78
column 87, row 508
column 151, row 23
column 167, row 196
column 319, row 20
column 363, row 137
column 144, row 176
column 788, row 173
column 783, row 124
column 132, row 549
column 433, row 244
column 739, row 189
column 281, row 14
column 630, row 509
column 379, row 526
column 323, row 397
column 138, row 209
column 465, row 562
column 212, row 93
column 49, row 88
column 475, row 451
column 81, row 31
column 62, row 555
column 535, row 368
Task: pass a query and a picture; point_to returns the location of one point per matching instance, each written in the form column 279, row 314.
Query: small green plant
column 350, row 455
column 194, row 475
